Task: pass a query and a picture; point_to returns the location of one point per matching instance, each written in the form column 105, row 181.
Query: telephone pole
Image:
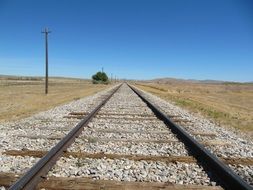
column 46, row 32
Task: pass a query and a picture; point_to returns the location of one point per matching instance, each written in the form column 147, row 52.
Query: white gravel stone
column 162, row 149
column 16, row 164
column 128, row 170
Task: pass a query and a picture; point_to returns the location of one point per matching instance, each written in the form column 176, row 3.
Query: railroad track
column 127, row 143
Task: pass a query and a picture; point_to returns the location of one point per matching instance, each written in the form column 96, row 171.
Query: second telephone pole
column 46, row 32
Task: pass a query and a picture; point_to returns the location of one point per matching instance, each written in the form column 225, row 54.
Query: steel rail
column 228, row 178
column 38, row 172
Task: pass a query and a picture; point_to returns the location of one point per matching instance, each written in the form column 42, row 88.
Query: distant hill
column 174, row 80
column 35, row 78
column 12, row 77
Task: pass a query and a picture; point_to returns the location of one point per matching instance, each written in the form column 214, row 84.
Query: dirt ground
column 21, row 98
column 229, row 104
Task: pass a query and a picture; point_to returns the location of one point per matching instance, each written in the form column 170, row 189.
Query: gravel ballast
column 112, row 132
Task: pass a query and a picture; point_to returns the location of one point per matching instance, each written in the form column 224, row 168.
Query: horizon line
column 118, row 78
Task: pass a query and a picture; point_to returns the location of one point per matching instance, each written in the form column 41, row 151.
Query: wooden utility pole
column 46, row 32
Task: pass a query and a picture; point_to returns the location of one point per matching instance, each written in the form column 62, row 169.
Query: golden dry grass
column 22, row 98
column 229, row 104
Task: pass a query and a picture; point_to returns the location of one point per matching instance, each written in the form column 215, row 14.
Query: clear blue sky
column 134, row 39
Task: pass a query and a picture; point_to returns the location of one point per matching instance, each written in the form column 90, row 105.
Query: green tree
column 100, row 77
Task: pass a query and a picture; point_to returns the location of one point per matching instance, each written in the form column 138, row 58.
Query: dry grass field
column 22, row 97
column 229, row 104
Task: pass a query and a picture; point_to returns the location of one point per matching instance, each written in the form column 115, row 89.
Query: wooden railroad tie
column 173, row 159
column 87, row 183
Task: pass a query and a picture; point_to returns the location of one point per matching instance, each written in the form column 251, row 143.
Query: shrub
column 100, row 78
